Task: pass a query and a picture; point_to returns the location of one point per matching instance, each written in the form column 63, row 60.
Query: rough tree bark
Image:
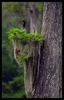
column 49, row 83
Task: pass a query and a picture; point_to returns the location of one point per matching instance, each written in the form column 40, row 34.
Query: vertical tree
column 49, row 84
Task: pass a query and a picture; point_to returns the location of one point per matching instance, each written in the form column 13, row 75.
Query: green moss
column 24, row 36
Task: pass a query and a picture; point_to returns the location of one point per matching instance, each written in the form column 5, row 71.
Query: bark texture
column 49, row 83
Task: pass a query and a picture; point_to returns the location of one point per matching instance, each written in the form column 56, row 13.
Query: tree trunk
column 49, row 83
column 29, row 67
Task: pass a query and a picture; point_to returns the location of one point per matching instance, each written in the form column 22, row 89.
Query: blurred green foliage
column 39, row 6
column 12, row 74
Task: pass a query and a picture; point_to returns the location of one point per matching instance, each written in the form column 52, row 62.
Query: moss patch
column 24, row 36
